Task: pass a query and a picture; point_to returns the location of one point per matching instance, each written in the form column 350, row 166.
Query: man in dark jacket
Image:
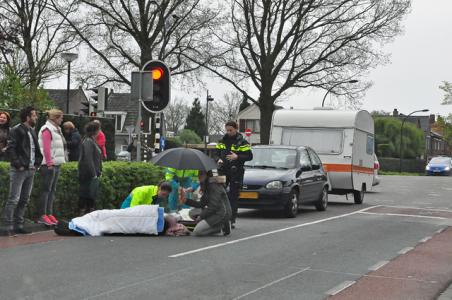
column 23, row 150
column 233, row 150
column 73, row 140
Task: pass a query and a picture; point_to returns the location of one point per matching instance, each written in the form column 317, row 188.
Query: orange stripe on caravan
column 347, row 168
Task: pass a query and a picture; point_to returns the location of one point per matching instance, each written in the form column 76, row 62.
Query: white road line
column 271, row 283
column 403, row 215
column 268, row 233
column 425, row 239
column 378, row 265
column 415, row 207
column 339, row 288
column 405, row 250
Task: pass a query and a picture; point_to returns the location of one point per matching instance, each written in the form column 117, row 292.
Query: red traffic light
column 157, row 73
column 142, row 124
column 93, row 114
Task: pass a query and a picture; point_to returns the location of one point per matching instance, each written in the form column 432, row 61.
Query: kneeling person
column 148, row 194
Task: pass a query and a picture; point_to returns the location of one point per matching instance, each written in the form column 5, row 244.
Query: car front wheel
column 291, row 208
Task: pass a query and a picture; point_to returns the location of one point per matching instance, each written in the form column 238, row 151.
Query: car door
column 306, row 178
column 318, row 173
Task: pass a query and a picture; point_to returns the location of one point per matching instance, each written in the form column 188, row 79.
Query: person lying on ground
column 148, row 194
column 214, row 203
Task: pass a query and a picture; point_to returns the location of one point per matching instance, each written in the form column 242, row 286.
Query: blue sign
column 162, row 143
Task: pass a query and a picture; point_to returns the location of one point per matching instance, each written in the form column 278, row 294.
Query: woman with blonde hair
column 53, row 148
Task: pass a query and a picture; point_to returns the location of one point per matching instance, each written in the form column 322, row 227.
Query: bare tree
column 123, row 35
column 41, row 35
column 176, row 114
column 222, row 111
column 278, row 45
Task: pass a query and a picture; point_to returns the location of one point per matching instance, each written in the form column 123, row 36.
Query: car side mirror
column 316, row 167
column 305, row 168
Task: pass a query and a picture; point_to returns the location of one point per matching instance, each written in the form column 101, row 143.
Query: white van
column 344, row 140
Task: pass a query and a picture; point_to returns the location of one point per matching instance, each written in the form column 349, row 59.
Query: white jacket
column 138, row 219
column 57, row 151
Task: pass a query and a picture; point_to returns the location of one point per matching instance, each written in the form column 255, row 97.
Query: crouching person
column 148, row 194
column 214, row 204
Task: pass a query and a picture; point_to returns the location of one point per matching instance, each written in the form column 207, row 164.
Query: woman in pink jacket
column 101, row 141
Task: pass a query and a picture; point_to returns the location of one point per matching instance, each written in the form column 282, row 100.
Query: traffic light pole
column 139, row 118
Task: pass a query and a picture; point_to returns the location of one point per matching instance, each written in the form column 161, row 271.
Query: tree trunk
column 266, row 108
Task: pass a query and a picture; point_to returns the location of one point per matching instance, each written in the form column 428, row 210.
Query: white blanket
column 138, row 219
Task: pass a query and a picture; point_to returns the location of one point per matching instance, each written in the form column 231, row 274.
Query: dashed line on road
column 405, row 250
column 378, row 265
column 271, row 283
column 339, row 288
column 269, row 233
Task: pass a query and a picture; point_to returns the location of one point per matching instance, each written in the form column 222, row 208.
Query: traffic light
column 98, row 100
column 93, row 114
column 161, row 85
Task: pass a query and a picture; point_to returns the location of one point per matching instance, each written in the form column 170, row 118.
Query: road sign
column 248, row 132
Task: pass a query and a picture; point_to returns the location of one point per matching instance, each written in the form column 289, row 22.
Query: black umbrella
column 184, row 159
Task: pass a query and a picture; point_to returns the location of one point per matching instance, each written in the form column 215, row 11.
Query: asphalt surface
column 267, row 257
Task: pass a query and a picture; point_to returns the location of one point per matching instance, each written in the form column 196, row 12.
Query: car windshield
column 273, row 158
column 440, row 160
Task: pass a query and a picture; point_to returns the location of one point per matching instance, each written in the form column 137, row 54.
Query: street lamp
column 208, row 99
column 401, row 135
column 337, row 84
column 68, row 57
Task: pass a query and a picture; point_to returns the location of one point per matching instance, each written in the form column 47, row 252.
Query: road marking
column 269, row 233
column 425, row 239
column 415, row 207
column 405, row 250
column 136, row 283
column 339, row 288
column 434, row 195
column 378, row 265
column 403, row 215
column 272, row 283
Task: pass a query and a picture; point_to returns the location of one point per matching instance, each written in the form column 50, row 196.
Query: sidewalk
column 422, row 273
column 447, row 294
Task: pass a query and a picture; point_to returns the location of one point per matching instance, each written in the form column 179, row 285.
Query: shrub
column 118, row 179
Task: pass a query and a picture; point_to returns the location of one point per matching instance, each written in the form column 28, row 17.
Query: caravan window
column 322, row 140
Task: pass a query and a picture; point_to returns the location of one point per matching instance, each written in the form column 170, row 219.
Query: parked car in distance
column 376, row 169
column 440, row 165
column 283, row 178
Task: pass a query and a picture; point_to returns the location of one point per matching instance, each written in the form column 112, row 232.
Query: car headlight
column 447, row 169
column 427, row 168
column 274, row 185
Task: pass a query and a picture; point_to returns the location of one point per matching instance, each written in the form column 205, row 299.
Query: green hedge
column 118, row 179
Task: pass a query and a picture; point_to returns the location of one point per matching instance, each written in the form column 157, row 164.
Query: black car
column 284, row 177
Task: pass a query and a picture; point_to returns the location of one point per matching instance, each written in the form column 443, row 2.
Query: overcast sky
column 421, row 58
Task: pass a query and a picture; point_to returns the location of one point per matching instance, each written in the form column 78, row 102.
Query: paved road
column 266, row 257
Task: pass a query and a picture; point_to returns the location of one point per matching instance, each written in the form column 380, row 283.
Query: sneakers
column 53, row 219
column 233, row 224
column 44, row 219
column 22, row 230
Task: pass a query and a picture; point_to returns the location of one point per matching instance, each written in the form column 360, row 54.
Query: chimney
column 395, row 113
column 432, row 119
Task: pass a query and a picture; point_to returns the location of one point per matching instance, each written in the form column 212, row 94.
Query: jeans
column 49, row 179
column 20, row 186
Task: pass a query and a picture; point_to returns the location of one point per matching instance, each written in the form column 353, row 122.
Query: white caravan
column 344, row 140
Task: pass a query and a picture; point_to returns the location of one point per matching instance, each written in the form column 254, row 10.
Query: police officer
column 233, row 150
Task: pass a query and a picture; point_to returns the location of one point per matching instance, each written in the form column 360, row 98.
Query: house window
column 120, row 119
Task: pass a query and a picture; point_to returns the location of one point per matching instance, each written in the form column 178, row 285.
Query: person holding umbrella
column 214, row 205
